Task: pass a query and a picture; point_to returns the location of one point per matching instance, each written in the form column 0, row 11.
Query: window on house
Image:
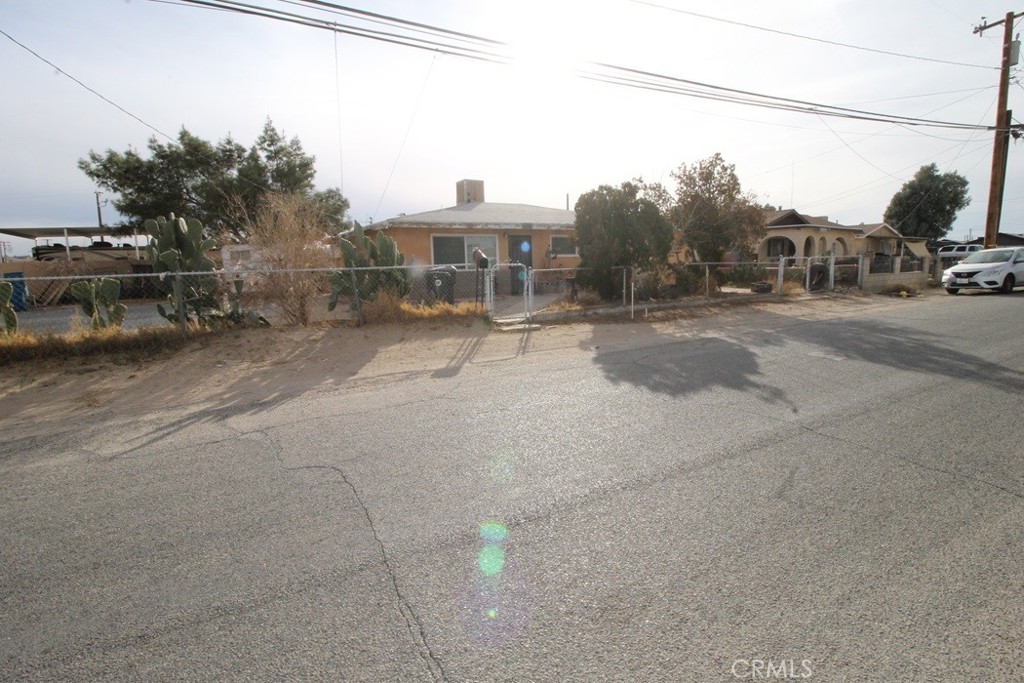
column 458, row 249
column 563, row 245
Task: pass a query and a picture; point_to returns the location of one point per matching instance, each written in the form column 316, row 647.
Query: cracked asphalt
column 839, row 495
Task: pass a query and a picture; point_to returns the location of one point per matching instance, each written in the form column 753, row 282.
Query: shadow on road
column 677, row 367
column 680, row 367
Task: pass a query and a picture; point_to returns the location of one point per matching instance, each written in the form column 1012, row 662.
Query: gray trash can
column 441, row 283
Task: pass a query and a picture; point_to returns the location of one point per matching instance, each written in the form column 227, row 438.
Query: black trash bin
column 441, row 283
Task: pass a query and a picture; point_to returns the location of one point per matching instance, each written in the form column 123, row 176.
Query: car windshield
column 996, row 256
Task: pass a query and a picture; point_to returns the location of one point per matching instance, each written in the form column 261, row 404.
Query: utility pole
column 1001, row 144
column 99, row 214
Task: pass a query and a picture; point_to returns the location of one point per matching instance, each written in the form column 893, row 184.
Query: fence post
column 780, row 276
column 831, row 272
column 528, row 293
column 707, row 281
column 632, row 297
column 860, row 271
column 489, row 290
column 807, row 273
column 179, row 305
column 355, row 293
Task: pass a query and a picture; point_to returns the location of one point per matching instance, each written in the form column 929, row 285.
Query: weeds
column 142, row 343
column 386, row 307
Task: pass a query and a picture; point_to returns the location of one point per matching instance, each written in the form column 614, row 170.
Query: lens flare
column 493, row 532
column 491, row 560
column 493, row 606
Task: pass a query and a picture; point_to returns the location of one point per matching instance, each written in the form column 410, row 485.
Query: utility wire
column 117, row 106
column 93, row 91
column 408, row 129
column 600, row 72
column 811, row 38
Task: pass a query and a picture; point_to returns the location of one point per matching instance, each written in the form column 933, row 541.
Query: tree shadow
column 677, row 367
column 903, row 348
column 665, row 364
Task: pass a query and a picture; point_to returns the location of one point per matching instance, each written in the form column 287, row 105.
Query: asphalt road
column 834, row 500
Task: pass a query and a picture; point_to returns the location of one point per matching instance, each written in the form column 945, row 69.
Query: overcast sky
column 396, row 127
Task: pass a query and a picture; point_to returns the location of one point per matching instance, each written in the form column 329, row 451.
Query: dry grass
column 388, row 308
column 790, row 288
column 900, row 290
column 141, row 343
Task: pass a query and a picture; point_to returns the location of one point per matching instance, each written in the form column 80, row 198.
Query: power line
column 810, row 38
column 670, row 84
column 92, row 90
column 923, row 95
column 348, row 29
column 117, row 106
column 408, row 129
column 600, row 72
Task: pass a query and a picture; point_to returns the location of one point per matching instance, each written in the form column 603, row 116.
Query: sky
column 395, row 127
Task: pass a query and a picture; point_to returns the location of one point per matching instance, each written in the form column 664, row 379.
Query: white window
column 458, row 250
column 563, row 245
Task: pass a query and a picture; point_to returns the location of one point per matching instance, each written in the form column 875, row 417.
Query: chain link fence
column 507, row 291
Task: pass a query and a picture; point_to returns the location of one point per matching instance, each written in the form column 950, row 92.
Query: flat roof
column 52, row 233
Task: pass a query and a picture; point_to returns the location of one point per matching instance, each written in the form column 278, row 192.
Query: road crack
column 412, row 620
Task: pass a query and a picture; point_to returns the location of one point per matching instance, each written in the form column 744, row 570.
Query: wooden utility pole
column 1001, row 144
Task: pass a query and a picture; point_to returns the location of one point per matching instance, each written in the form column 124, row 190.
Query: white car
column 1001, row 268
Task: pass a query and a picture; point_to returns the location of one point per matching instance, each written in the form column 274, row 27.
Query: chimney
column 469, row 191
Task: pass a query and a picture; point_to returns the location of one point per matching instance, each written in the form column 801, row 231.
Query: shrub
column 289, row 234
column 743, row 274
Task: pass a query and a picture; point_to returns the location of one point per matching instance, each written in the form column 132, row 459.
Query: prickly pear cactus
column 10, row 318
column 98, row 299
column 177, row 245
column 363, row 252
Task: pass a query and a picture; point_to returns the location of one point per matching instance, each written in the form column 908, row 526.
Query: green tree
column 221, row 184
column 927, row 204
column 619, row 226
column 711, row 212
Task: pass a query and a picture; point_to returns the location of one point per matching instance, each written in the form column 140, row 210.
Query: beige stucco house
column 535, row 236
column 888, row 256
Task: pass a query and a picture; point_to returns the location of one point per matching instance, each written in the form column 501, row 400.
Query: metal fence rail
column 507, row 291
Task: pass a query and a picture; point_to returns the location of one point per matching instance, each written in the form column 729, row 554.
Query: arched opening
column 839, row 247
column 822, row 247
column 774, row 247
column 809, row 246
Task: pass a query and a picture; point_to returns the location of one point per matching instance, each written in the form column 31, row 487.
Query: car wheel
column 1008, row 284
column 952, row 290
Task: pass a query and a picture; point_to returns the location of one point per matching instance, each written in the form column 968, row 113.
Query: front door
column 520, row 251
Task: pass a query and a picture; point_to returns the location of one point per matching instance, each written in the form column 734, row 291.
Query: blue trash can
column 19, row 297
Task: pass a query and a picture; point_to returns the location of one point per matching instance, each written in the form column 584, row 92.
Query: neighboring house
column 534, row 236
column 889, row 257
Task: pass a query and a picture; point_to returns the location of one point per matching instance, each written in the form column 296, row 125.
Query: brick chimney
column 469, row 191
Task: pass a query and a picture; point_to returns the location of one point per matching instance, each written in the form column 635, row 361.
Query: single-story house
column 535, row 236
column 889, row 257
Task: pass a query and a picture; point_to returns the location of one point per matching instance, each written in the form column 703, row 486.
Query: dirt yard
column 248, row 367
